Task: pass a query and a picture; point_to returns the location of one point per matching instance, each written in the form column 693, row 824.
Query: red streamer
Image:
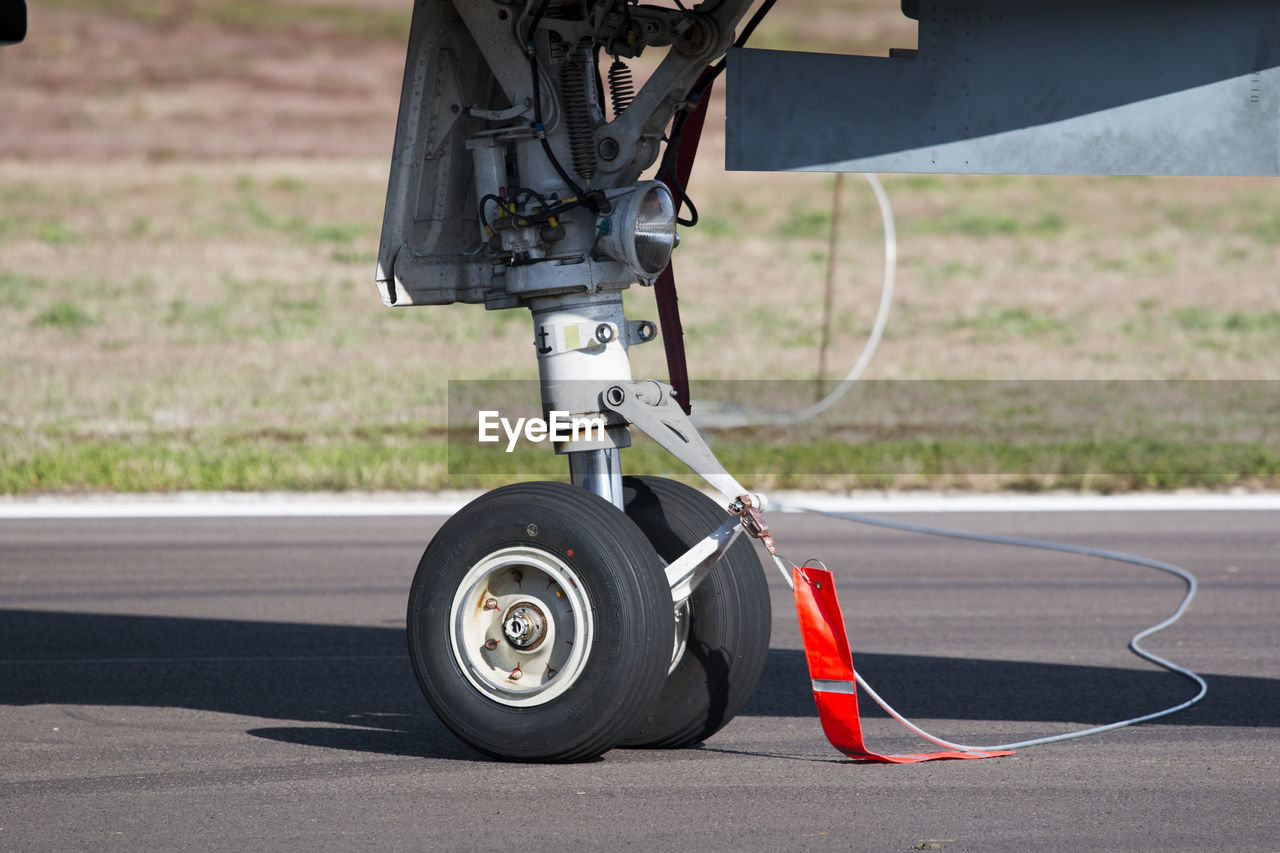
column 826, row 649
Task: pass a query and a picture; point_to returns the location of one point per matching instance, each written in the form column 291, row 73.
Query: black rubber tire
column 730, row 618
column 630, row 603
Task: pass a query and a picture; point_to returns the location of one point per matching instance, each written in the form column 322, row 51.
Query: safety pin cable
column 781, row 562
column 1135, row 644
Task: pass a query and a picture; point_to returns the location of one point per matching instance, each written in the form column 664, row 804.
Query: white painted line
column 1188, row 502
column 301, row 505
column 237, row 659
column 224, row 505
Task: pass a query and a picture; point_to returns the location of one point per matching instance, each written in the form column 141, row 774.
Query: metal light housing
column 641, row 229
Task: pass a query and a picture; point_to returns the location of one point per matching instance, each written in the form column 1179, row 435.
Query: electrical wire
column 687, row 202
column 1135, row 643
column 753, row 23
column 509, row 207
column 532, row 54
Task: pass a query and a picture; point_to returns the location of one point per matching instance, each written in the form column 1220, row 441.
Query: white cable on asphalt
column 1079, row 550
column 761, row 418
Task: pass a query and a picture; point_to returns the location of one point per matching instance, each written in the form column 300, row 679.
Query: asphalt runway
column 243, row 683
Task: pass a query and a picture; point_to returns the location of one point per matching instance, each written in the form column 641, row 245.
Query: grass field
column 190, row 199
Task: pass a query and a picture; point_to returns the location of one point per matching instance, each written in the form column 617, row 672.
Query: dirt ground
column 191, row 194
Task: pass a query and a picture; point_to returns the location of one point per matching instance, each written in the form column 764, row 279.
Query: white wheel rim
column 521, row 626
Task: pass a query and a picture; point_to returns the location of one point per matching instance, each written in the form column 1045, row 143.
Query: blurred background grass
column 190, row 200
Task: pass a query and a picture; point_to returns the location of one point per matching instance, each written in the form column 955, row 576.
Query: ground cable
column 722, row 418
column 1135, row 643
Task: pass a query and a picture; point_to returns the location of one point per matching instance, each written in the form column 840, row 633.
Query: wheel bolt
column 491, row 645
column 516, row 673
column 491, row 604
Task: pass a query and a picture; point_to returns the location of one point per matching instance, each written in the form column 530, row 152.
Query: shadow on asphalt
column 357, row 681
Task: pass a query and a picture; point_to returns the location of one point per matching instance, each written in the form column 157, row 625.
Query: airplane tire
column 725, row 626
column 540, row 624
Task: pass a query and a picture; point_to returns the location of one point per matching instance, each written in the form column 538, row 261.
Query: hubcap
column 524, row 626
column 521, row 626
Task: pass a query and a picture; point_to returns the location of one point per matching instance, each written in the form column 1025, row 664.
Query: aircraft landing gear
column 541, row 625
column 553, row 622
column 546, row 621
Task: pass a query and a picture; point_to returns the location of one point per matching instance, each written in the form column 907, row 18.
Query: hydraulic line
column 538, row 126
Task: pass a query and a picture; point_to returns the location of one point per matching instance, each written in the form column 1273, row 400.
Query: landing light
column 641, row 229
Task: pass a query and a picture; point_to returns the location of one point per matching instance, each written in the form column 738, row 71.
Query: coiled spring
column 582, row 146
column 622, row 87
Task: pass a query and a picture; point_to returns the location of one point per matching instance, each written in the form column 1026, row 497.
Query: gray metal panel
column 430, row 232
column 1009, row 86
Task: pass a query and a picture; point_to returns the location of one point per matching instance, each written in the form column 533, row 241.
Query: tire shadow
column 351, row 687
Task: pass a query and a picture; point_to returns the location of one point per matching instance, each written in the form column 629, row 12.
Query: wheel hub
column 520, row 626
column 524, row 626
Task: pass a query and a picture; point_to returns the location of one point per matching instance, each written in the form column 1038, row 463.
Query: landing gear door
column 431, row 251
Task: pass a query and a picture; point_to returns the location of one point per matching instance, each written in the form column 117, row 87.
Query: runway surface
column 233, row 683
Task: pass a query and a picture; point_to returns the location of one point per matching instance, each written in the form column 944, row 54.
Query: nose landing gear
column 545, row 623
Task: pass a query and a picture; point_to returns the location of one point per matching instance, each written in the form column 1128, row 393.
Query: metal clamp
column 753, row 522
column 525, row 106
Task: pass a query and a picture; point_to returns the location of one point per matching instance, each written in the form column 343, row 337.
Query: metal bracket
column 555, row 338
column 589, row 336
column 525, row 106
column 692, row 566
column 651, row 407
column 640, row 332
